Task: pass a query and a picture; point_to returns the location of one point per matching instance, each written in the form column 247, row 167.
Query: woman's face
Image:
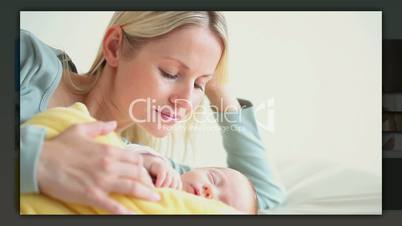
column 165, row 80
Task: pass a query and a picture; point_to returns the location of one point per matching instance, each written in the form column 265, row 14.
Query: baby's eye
column 211, row 178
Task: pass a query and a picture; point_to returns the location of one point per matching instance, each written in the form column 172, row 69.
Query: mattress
column 326, row 187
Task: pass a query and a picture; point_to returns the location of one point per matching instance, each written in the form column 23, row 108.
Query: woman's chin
column 160, row 131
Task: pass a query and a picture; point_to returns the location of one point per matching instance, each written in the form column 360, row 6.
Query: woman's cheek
column 138, row 112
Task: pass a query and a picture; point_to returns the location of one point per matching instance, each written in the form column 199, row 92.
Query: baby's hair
column 254, row 209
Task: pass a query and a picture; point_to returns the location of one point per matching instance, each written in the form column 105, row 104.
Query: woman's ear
column 112, row 41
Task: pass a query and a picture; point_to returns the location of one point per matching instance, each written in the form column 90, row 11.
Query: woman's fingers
column 136, row 189
column 128, row 156
column 128, row 170
column 94, row 129
column 116, row 153
column 119, row 162
column 102, row 200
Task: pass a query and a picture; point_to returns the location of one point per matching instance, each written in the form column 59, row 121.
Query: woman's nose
column 182, row 100
column 182, row 103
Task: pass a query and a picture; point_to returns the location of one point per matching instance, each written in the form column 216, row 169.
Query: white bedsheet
column 321, row 187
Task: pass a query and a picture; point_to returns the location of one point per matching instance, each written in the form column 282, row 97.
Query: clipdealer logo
column 265, row 110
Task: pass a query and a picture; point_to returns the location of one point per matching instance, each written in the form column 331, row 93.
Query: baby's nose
column 207, row 191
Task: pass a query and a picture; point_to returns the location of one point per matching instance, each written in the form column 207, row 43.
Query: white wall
column 322, row 69
column 78, row 33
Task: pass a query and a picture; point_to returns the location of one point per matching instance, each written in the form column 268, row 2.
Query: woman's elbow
column 279, row 198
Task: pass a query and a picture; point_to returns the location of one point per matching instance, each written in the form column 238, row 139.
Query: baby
column 219, row 183
column 222, row 184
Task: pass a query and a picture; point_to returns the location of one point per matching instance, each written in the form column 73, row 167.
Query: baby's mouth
column 192, row 189
column 195, row 190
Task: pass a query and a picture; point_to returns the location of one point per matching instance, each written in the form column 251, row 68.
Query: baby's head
column 223, row 184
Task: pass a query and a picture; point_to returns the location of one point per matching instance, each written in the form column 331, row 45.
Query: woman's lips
column 167, row 117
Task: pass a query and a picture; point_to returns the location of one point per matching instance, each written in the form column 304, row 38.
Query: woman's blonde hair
column 140, row 27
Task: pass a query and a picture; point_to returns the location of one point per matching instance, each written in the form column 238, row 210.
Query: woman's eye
column 170, row 76
column 167, row 75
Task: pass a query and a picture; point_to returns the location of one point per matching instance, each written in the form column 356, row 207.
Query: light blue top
column 40, row 73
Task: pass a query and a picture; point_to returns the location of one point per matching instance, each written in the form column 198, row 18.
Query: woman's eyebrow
column 184, row 65
column 178, row 61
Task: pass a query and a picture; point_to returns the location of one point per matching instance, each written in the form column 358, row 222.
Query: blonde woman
column 152, row 70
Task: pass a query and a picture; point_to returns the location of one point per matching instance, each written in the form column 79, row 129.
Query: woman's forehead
column 195, row 48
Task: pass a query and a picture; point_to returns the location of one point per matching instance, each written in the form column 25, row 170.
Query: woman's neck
column 101, row 104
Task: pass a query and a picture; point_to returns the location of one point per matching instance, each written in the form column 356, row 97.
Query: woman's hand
column 74, row 168
column 220, row 98
column 164, row 174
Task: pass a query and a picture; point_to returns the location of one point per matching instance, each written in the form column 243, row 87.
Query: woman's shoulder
column 37, row 58
column 40, row 73
column 25, row 34
column 33, row 51
column 32, row 46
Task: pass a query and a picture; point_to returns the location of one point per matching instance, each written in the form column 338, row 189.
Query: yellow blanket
column 55, row 121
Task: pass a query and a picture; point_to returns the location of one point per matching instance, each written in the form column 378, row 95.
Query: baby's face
column 224, row 184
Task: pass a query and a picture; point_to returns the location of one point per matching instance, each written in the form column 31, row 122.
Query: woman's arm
column 71, row 167
column 31, row 141
column 39, row 75
column 245, row 150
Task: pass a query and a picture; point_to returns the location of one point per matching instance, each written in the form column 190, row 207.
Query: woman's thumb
column 98, row 128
